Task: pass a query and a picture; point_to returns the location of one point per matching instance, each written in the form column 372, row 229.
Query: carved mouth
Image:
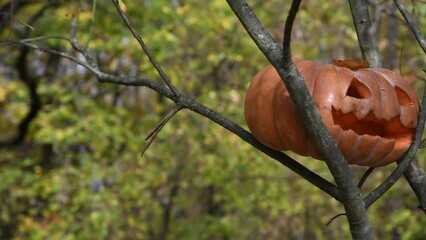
column 369, row 125
column 369, row 138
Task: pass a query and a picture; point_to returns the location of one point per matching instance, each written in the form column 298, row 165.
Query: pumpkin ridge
column 371, row 155
column 388, row 97
column 275, row 116
column 313, row 80
column 402, row 92
column 377, row 162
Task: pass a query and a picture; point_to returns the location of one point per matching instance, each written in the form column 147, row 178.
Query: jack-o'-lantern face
column 370, row 112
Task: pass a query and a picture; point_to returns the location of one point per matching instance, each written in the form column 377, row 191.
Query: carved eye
column 358, row 90
column 403, row 98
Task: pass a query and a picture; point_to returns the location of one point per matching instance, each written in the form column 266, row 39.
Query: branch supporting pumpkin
column 416, row 177
column 296, row 85
column 362, row 23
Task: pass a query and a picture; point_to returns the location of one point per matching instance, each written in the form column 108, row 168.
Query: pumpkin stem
column 351, row 64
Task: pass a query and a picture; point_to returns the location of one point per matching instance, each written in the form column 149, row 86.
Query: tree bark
column 366, row 40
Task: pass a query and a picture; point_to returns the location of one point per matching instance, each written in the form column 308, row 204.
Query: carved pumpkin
column 370, row 112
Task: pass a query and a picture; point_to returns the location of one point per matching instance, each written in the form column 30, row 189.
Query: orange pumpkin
column 370, row 112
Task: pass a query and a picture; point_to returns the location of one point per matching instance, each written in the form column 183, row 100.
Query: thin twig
column 412, row 24
column 76, row 45
column 288, row 30
column 364, row 177
column 333, row 218
column 145, row 48
column 151, row 137
column 27, row 43
column 387, row 11
column 10, row 41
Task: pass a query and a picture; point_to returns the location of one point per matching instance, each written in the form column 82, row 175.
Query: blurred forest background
column 77, row 173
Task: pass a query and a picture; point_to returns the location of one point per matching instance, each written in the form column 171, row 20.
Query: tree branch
column 416, row 177
column 151, row 137
column 364, row 177
column 412, row 25
column 367, row 42
column 299, row 94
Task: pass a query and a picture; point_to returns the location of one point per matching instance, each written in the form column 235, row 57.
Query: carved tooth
column 347, row 140
column 347, row 105
column 362, row 109
column 364, row 145
column 336, row 131
column 406, row 113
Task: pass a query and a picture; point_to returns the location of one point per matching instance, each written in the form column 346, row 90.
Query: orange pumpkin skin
column 371, row 112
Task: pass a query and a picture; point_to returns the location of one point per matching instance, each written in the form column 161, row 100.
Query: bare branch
column 364, row 177
column 315, row 126
column 288, row 30
column 367, row 42
column 412, row 24
column 335, row 217
column 26, row 42
column 145, row 48
column 416, row 177
column 151, row 137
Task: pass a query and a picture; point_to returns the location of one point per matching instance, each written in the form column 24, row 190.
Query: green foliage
column 79, row 174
